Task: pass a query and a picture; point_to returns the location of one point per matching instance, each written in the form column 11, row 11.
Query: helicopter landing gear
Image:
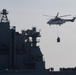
column 59, row 24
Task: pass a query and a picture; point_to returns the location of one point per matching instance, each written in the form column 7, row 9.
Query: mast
column 12, row 45
column 4, row 16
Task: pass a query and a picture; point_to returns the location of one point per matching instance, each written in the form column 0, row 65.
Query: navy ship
column 20, row 54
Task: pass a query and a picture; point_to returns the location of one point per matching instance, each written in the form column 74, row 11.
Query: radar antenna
column 4, row 15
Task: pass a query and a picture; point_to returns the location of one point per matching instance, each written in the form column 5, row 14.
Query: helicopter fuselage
column 59, row 21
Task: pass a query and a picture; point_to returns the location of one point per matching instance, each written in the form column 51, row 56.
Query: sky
column 25, row 14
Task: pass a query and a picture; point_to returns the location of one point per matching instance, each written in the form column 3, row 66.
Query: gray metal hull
column 22, row 72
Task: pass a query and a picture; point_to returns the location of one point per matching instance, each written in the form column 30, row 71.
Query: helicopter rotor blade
column 57, row 14
column 64, row 15
column 48, row 16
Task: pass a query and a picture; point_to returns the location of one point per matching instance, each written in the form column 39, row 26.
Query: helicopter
column 59, row 21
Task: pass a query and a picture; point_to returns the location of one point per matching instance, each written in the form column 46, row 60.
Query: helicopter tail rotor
column 73, row 19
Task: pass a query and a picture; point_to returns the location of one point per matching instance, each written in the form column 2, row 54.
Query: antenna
column 4, row 15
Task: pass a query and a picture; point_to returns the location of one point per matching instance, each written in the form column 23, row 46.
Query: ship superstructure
column 19, row 51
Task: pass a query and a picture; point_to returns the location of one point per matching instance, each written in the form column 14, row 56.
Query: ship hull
column 22, row 72
column 63, row 73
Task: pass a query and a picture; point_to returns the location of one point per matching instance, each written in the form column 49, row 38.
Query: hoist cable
column 57, row 31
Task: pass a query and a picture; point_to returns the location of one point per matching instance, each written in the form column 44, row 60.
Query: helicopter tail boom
column 73, row 19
